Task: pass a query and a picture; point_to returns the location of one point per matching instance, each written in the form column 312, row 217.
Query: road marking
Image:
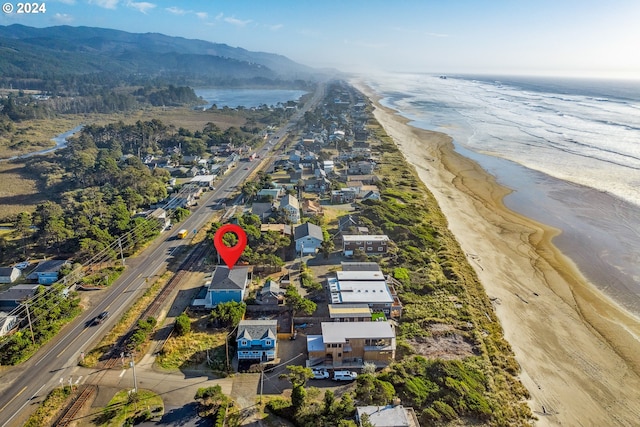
column 14, row 398
column 78, row 380
column 124, row 371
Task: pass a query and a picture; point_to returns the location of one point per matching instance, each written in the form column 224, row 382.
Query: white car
column 320, row 374
column 22, row 265
column 344, row 376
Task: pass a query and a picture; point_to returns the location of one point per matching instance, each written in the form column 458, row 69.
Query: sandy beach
column 579, row 351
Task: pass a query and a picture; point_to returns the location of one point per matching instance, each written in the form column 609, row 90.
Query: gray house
column 308, row 238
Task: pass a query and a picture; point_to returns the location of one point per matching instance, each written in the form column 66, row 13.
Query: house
column 47, row 272
column 291, row 208
column 368, row 243
column 365, row 286
column 203, row 180
column 9, row 274
column 347, row 222
column 263, row 210
column 227, row 285
column 270, row 294
column 14, row 296
column 283, row 229
column 361, row 168
column 344, row 195
column 257, row 340
column 349, row 312
column 8, row 323
column 160, row 215
column 365, row 179
column 352, row 345
column 312, row 208
column 328, row 166
column 269, row 194
column 388, row 416
column 308, row 238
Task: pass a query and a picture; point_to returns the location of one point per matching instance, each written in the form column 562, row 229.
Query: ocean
column 568, row 148
column 247, row 98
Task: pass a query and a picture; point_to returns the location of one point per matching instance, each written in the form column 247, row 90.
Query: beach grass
column 441, row 292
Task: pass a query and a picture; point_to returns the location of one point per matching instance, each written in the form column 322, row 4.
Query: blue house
column 257, row 339
column 227, row 285
column 47, row 272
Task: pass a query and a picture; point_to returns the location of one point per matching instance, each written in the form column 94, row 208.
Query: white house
column 7, row 323
column 292, row 208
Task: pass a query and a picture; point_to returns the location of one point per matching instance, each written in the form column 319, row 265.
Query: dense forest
column 20, row 106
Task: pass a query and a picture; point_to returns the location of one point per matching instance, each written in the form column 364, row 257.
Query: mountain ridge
column 81, row 50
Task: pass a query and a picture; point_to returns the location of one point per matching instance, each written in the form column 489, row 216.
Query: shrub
column 183, row 325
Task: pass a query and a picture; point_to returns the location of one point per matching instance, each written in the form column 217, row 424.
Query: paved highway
column 22, row 388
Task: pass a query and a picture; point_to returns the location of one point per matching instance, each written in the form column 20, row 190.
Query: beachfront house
column 351, row 346
column 369, row 244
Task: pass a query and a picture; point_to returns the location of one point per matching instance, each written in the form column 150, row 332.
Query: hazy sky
column 552, row 37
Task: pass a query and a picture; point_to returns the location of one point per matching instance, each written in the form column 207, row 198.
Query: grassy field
column 191, row 350
column 124, row 406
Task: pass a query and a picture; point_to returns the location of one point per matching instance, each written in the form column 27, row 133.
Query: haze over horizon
column 585, row 38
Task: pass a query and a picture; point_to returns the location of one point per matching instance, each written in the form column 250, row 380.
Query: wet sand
column 579, row 351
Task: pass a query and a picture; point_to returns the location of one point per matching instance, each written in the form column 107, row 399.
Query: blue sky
column 548, row 37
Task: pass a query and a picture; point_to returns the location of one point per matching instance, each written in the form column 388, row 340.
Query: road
column 23, row 387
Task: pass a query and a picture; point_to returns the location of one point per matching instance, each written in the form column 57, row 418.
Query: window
column 369, row 248
column 380, row 249
column 267, row 342
column 243, row 342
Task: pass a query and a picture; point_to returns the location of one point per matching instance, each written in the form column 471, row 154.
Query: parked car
column 101, row 317
column 320, row 374
column 344, row 376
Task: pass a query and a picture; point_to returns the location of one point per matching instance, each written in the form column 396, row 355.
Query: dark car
column 101, row 317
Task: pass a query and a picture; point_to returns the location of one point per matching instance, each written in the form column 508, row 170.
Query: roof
column 349, row 310
column 18, row 292
column 7, row 271
column 315, row 343
column 257, row 329
column 375, row 292
column 365, row 237
column 307, row 230
column 223, row 278
column 385, row 416
column 360, row 266
column 289, row 200
column 203, row 178
column 50, row 266
column 339, row 332
column 357, row 276
column 280, row 228
column 271, row 287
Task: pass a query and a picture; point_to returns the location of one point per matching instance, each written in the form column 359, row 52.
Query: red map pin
column 230, row 255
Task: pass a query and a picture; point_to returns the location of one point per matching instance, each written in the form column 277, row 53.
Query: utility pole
column 261, row 381
column 30, row 327
column 121, row 254
column 135, row 381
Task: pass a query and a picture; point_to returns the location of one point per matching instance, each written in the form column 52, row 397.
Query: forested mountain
column 30, row 54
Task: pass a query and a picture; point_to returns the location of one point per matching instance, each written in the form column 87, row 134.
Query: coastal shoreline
column 577, row 348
